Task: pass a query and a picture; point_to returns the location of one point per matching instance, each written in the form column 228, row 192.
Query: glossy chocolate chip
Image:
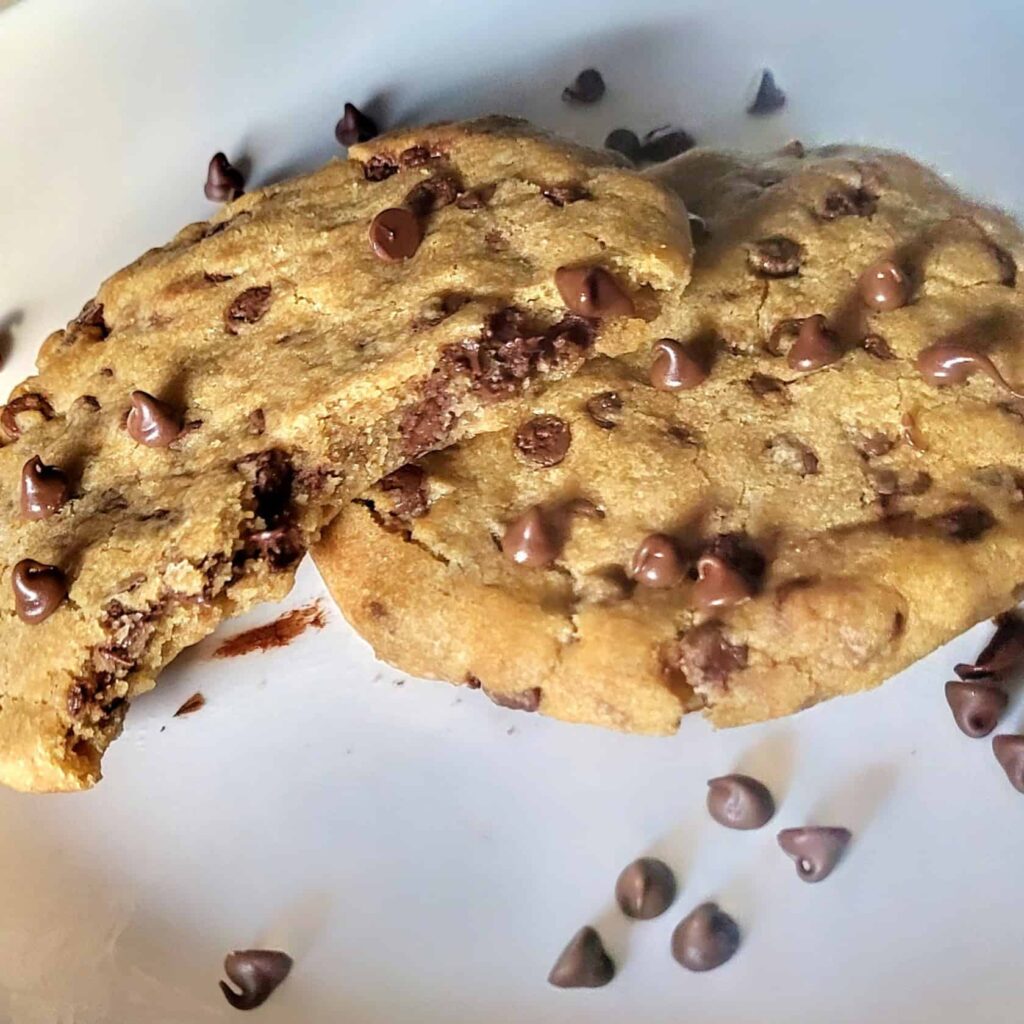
column 395, row 234
column 673, row 368
column 1009, row 751
column 224, row 181
column 705, row 939
column 656, row 562
column 604, row 409
column 719, row 585
column 740, row 802
column 584, row 963
column 1003, row 654
column 531, row 540
column 976, row 706
column 44, row 489
column 355, row 126
column 544, row 440
column 476, row 198
column 816, row 850
column 645, row 889
column 38, row 590
column 945, row 364
column 248, row 307
column 775, row 257
column 587, row 88
column 624, row 141
column 152, row 422
column 256, row 973
column 815, row 345
column 768, row 98
column 592, row 292
column 884, row 287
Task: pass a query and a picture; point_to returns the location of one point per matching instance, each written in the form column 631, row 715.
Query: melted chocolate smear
column 279, row 633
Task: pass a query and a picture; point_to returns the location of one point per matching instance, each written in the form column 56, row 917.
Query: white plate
column 422, row 853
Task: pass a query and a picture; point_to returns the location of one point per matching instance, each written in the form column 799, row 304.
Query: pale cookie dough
column 291, row 350
column 869, row 514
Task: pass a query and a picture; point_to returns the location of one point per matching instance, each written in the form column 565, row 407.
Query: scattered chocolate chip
column 740, row 802
column 976, row 706
column 592, row 292
column 544, row 440
column 656, row 562
column 624, row 141
column 775, row 257
column 30, row 402
column 379, row 167
column 719, row 584
column 965, row 522
column 247, row 307
column 407, row 489
column 816, row 850
column 815, row 346
column 224, row 181
column 604, row 408
column 584, row 963
column 44, row 489
column 673, row 368
column 194, row 703
column 664, row 143
column 1009, row 751
column 944, row 364
column 793, row 455
column 256, row 972
column 38, row 590
column 884, row 287
column 848, row 202
column 518, row 700
column 705, row 939
column 476, row 198
column 587, row 88
column 152, row 422
column 563, row 195
column 1002, row 655
column 768, row 98
column 763, row 385
column 530, row 540
column 645, row 889
column 355, row 126
column 875, row 345
column 395, row 234
column 257, row 422
column 431, row 195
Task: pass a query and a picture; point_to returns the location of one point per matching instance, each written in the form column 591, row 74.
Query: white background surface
column 420, row 862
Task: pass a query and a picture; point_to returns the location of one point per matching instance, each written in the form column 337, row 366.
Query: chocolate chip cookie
column 815, row 478
column 191, row 431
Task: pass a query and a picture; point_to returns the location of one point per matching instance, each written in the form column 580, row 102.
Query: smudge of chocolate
column 279, row 633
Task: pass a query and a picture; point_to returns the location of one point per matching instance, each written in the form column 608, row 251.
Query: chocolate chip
column 815, row 346
column 152, row 422
column 194, row 703
column 793, row 455
column 584, row 963
column 395, row 234
column 476, row 198
column 431, row 195
column 944, row 364
column 976, row 706
column 1009, row 751
column 768, row 98
column 719, row 584
column 965, row 522
column 418, row 156
column 587, row 88
column 705, row 939
column 604, row 408
column 354, row 126
column 656, row 562
column 848, row 202
column 224, row 181
column 815, row 849
column 39, row 590
column 624, row 141
column 645, row 889
column 664, row 143
column 763, row 385
column 884, row 287
column 563, row 195
column 406, row 487
column 673, row 368
column 517, row 700
column 1003, row 654
column 794, row 148
column 472, row 681
column 775, row 257
column 530, row 540
column 740, row 802
column 706, row 658
column 379, row 167
column 30, row 402
column 257, row 422
column 247, row 307
column 875, row 345
column 256, row 972
column 44, row 489
column 544, row 440
column 592, row 292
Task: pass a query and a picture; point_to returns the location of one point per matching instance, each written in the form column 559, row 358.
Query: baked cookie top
column 816, row 477
column 194, row 427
